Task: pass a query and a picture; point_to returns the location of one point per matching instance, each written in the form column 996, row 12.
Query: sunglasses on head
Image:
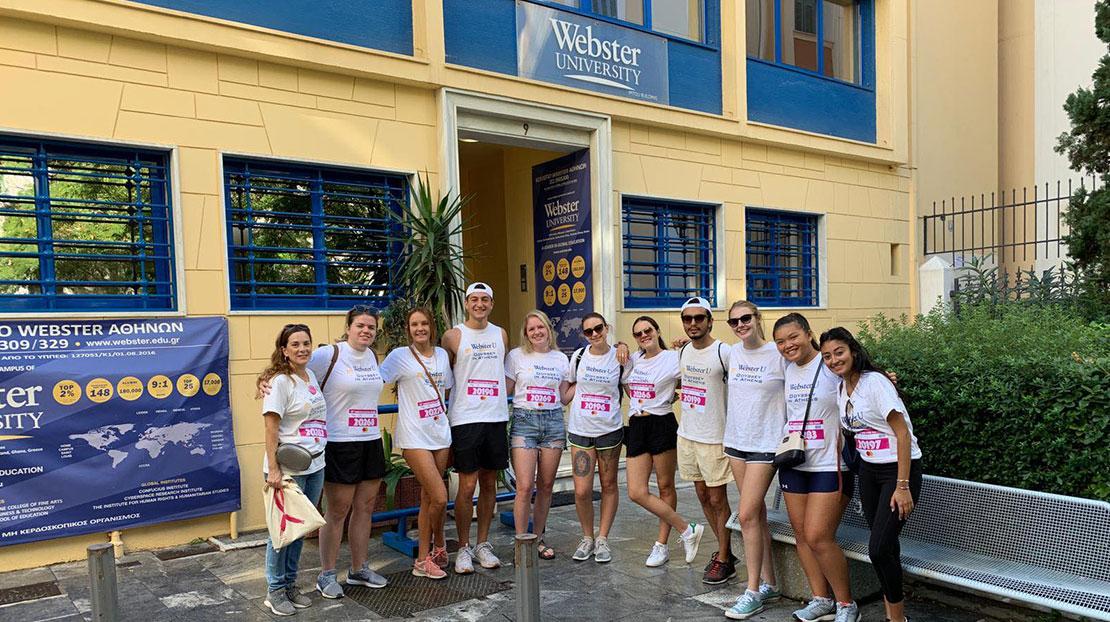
column 743, row 319
column 694, row 319
column 595, row 330
column 640, row 333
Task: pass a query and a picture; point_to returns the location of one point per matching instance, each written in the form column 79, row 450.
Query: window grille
column 782, row 258
column 669, row 252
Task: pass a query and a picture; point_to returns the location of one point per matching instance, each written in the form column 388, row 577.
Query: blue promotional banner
column 113, row 424
column 563, row 237
column 573, row 50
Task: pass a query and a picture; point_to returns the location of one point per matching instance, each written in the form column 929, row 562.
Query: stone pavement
column 230, row 586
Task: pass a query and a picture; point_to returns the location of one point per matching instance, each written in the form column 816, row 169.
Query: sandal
column 546, row 552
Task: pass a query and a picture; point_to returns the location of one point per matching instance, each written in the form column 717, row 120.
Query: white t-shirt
column 480, row 377
column 537, row 377
column 756, row 410
column 595, row 410
column 650, row 383
column 303, row 414
column 865, row 414
column 352, row 392
column 822, row 448
column 704, row 392
column 421, row 420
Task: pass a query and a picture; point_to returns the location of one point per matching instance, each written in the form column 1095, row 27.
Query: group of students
column 736, row 403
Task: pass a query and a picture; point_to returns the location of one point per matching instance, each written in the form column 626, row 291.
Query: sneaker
column 484, row 553
column 279, row 603
column 749, row 604
column 733, row 522
column 602, row 554
column 328, row 586
column 658, row 556
column 366, row 578
column 818, row 610
column 718, row 573
column 427, row 568
column 439, row 554
column 300, row 601
column 847, row 613
column 584, row 550
column 769, row 592
column 691, row 542
column 464, row 560
column 732, row 559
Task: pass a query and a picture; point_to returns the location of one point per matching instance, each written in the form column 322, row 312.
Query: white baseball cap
column 696, row 301
column 478, row 287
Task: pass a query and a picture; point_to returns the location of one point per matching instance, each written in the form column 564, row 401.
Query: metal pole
column 102, row 574
column 527, row 579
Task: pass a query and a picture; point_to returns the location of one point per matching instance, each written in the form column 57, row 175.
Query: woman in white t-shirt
column 423, row 375
column 818, row 490
column 652, row 437
column 595, row 430
column 890, row 476
column 294, row 412
column 536, row 375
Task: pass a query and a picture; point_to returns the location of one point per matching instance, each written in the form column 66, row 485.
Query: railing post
column 527, row 578
column 102, row 574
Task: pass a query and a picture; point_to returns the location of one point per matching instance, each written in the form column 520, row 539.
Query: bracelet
column 904, row 487
column 902, row 480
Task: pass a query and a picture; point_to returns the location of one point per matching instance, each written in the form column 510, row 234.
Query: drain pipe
column 526, row 561
column 102, row 575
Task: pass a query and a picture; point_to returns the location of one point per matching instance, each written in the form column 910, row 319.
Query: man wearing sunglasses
column 701, row 457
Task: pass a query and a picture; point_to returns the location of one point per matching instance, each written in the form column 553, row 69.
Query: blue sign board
column 563, row 237
column 107, row 425
column 573, row 50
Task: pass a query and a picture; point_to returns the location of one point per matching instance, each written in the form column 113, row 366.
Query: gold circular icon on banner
column 213, row 383
column 548, row 271
column 67, row 392
column 564, row 294
column 188, row 385
column 579, row 292
column 563, row 269
column 549, row 295
column 130, row 388
column 578, row 266
column 159, row 386
column 99, row 390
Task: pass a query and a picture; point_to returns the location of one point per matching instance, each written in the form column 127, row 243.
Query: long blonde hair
column 758, row 321
column 525, row 343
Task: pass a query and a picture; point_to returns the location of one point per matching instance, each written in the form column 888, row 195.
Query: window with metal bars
column 84, row 228
column 782, row 259
column 311, row 238
column 669, row 252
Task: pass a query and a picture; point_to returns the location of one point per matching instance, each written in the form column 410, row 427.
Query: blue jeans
column 281, row 566
column 533, row 429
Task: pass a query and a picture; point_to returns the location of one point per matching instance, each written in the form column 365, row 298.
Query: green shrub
column 1018, row 396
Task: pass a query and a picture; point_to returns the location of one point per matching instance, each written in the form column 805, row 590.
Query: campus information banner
column 106, row 425
column 563, row 251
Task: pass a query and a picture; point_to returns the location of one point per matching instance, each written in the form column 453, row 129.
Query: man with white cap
column 479, row 417
column 701, row 457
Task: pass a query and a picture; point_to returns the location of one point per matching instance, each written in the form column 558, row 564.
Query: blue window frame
column 683, row 19
column 84, row 228
column 669, row 252
column 311, row 238
column 782, row 258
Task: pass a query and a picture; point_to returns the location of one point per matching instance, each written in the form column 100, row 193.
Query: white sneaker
column 602, row 554
column 658, row 556
column 584, row 550
column 464, row 560
column 691, row 542
column 484, row 553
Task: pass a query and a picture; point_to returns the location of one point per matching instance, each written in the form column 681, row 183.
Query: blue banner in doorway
column 113, row 424
column 564, row 238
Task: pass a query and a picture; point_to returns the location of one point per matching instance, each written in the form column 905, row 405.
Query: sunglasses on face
column 594, row 330
column 694, row 319
column 743, row 319
column 641, row 333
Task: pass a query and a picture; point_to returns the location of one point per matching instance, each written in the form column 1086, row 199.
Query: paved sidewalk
column 230, row 586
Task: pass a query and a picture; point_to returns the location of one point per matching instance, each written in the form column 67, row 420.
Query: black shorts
column 351, row 462
column 483, row 445
column 806, row 482
column 609, row 440
column 751, row 457
column 650, row 434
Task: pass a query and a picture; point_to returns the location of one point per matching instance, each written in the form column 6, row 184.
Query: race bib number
column 595, row 404
column 314, row 430
column 430, row 409
column 874, row 444
column 362, row 419
column 540, row 396
column 814, row 434
column 482, row 388
column 641, row 391
column 693, row 398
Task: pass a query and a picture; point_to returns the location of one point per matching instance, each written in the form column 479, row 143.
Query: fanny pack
column 293, row 457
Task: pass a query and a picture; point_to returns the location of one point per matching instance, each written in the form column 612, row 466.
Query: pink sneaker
column 427, row 568
column 439, row 556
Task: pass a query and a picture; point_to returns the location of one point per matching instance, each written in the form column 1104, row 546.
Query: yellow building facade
column 212, row 90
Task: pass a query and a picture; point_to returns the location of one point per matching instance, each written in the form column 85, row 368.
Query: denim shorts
column 535, row 429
